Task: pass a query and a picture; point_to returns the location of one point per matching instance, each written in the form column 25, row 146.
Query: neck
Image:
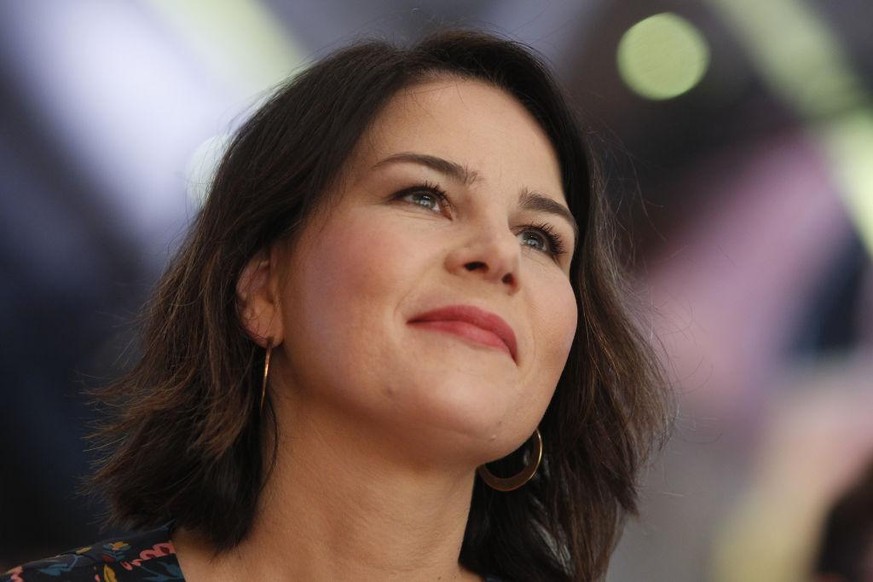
column 336, row 507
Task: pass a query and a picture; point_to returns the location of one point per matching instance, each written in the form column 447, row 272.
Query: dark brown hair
column 187, row 440
column 846, row 545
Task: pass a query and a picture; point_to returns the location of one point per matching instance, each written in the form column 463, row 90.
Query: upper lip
column 474, row 316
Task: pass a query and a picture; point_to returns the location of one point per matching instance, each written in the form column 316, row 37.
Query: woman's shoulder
column 145, row 556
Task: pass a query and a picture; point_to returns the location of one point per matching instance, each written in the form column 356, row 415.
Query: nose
column 491, row 252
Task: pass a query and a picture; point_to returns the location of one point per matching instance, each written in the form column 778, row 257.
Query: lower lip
column 467, row 331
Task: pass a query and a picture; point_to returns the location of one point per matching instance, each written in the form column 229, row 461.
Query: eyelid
column 432, row 189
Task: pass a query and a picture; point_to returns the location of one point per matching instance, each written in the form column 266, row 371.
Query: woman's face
column 430, row 302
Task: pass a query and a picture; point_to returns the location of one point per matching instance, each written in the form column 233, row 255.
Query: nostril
column 475, row 266
column 508, row 279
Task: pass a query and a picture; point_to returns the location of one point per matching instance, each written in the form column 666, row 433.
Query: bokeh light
column 662, row 56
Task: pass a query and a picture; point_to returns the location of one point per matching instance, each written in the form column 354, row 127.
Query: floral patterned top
column 149, row 556
column 138, row 558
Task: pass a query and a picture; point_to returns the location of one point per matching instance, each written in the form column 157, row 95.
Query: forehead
column 470, row 122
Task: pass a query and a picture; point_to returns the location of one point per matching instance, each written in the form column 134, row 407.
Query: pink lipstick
column 470, row 323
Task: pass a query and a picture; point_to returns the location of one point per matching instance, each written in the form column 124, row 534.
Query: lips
column 472, row 324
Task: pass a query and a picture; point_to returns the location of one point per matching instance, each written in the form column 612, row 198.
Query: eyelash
column 553, row 239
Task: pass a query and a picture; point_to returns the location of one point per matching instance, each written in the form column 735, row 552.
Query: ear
column 257, row 295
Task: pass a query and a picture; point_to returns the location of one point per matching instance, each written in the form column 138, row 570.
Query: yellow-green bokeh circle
column 662, row 56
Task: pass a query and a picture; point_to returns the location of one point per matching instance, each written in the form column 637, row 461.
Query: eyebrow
column 453, row 170
column 539, row 203
column 529, row 200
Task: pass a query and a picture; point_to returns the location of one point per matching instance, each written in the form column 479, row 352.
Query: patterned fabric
column 149, row 556
column 146, row 557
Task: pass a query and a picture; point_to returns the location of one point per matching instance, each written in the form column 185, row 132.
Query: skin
column 382, row 422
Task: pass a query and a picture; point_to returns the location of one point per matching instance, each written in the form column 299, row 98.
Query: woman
column 381, row 294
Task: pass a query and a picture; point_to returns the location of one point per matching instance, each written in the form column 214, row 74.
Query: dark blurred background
column 738, row 141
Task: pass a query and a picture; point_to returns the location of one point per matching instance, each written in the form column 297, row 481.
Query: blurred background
column 738, row 140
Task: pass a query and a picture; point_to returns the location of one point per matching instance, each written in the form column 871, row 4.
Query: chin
column 483, row 424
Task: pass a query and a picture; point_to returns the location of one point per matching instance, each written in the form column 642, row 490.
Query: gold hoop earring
column 267, row 357
column 519, row 479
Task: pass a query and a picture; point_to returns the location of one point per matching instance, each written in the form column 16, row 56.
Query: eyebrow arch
column 537, row 202
column 453, row 170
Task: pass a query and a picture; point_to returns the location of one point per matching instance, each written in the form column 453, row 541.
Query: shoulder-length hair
column 188, row 441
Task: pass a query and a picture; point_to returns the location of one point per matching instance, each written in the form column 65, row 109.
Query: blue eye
column 541, row 238
column 427, row 196
column 424, row 199
column 535, row 240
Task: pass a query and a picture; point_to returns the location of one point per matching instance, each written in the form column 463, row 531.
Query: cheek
column 346, row 282
column 347, row 267
column 326, row 307
column 556, row 315
column 559, row 317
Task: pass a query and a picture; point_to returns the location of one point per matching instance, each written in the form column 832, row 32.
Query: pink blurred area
column 735, row 283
